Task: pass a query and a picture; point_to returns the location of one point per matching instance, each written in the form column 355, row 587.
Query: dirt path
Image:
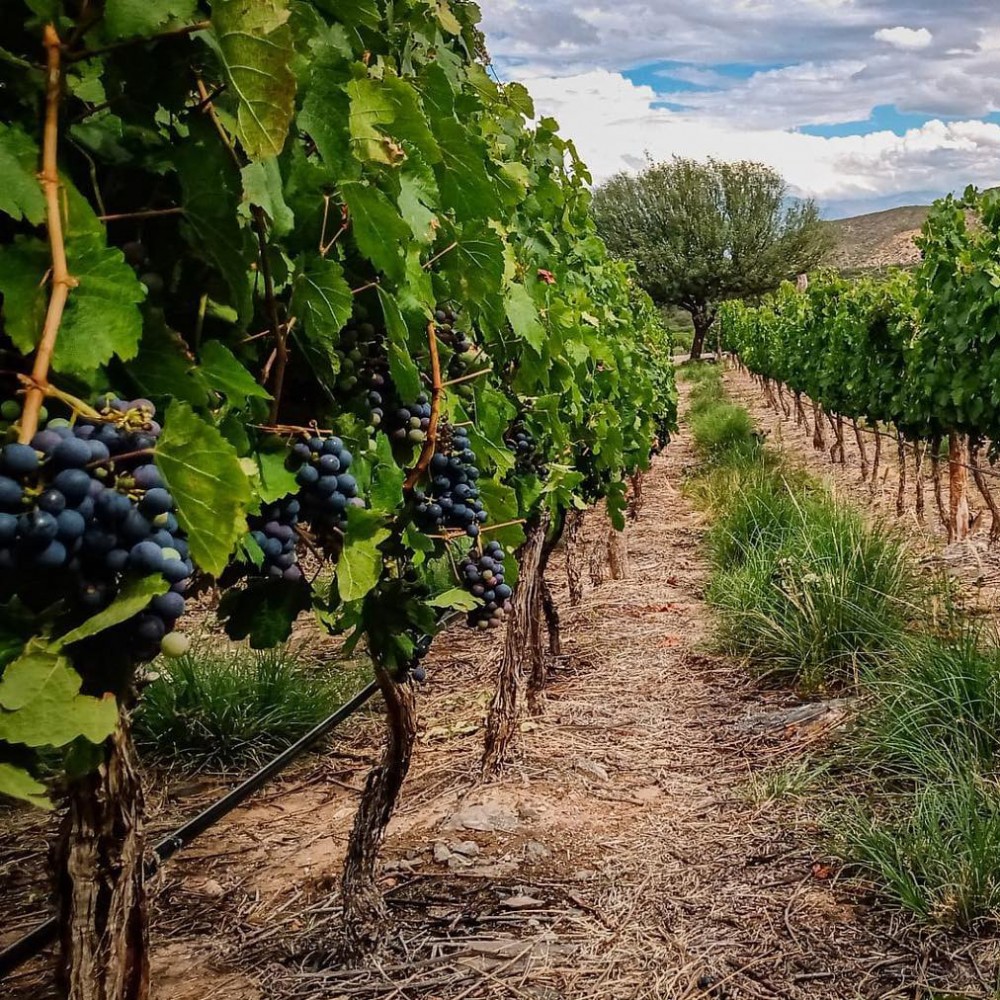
column 631, row 852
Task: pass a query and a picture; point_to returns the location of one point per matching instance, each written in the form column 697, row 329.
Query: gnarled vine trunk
column 574, row 555
column 365, row 913
column 958, row 491
column 901, row 455
column 545, row 612
column 938, row 488
column 618, row 552
column 919, row 450
column 519, row 642
column 635, row 495
column 862, row 450
column 876, row 460
column 975, row 447
column 800, row 413
column 100, row 884
column 819, row 433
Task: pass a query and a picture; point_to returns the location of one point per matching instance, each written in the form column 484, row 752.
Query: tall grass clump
column 230, row 709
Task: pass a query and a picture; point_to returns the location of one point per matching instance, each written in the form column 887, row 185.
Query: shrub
column 230, row 709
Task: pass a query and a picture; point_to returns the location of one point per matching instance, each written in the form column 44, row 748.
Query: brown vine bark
column 574, row 556
column 552, row 620
column 100, row 884
column 975, row 447
column 546, row 613
column 876, row 460
column 901, row 455
column 635, row 496
column 785, row 408
column 919, row 450
column 522, row 633
column 819, row 433
column 938, row 488
column 862, row 450
column 800, row 412
column 958, row 487
column 365, row 914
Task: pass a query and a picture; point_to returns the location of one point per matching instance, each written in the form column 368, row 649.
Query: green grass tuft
column 229, row 710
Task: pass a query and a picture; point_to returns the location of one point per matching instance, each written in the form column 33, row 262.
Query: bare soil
column 632, row 851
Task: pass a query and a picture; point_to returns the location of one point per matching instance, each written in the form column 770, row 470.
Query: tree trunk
column 819, row 432
column 574, row 556
column 919, row 450
column 522, row 632
column 800, row 413
column 635, row 496
column 100, row 885
column 938, row 488
column 958, row 492
column 862, row 450
column 366, row 917
column 786, row 410
column 617, row 552
column 984, row 488
column 551, row 611
column 544, row 614
column 901, row 495
column 876, row 460
column 702, row 324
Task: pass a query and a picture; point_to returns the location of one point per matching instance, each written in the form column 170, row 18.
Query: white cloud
column 905, row 38
column 615, row 127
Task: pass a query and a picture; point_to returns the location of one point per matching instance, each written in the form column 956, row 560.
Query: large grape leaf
column 22, row 266
column 211, row 191
column 387, row 478
column 379, row 231
column 264, row 612
column 102, row 318
column 262, row 186
column 129, row 18
column 254, row 42
column 384, row 113
column 274, row 480
column 476, row 265
column 133, row 597
column 21, row 195
column 325, row 110
column 203, row 472
column 418, row 199
column 523, row 315
column 360, row 563
column 226, row 375
column 42, row 705
column 405, row 374
column 322, row 304
column 165, row 366
column 16, row 783
column 466, row 185
column 501, row 502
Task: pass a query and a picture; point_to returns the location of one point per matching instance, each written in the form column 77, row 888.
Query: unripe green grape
column 174, row 645
column 10, row 410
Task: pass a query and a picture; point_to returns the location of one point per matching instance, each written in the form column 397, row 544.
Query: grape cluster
column 364, row 368
column 451, row 499
column 411, row 422
column 327, row 486
column 74, row 522
column 275, row 530
column 527, row 458
column 446, row 329
column 482, row 573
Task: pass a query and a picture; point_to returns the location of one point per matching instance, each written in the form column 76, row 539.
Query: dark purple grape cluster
column 447, row 331
column 451, row 499
column 327, row 487
column 275, row 530
column 364, row 367
column 482, row 573
column 411, row 422
column 74, row 522
column 522, row 443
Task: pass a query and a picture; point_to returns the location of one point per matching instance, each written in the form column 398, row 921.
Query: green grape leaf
column 262, row 186
column 378, row 230
column 265, row 611
column 456, row 599
column 476, row 265
column 133, row 597
column 446, row 18
column 405, row 374
column 164, row 367
column 360, row 563
column 224, row 373
column 21, row 195
column 322, row 304
column 326, row 107
column 387, row 478
column 23, row 264
column 254, row 42
column 102, row 318
column 523, row 316
column 501, row 502
column 203, row 472
column 418, row 197
column 210, row 195
column 42, row 705
column 16, row 783
column 274, row 479
column 384, row 113
column 519, row 99
column 129, row 18
column 466, row 186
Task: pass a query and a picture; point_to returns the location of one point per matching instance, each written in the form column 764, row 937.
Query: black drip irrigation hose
column 34, row 941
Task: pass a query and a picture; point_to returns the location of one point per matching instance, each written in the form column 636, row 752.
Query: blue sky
column 862, row 104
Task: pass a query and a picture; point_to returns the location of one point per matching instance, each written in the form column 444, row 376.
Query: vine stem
column 437, row 392
column 62, row 280
column 467, row 378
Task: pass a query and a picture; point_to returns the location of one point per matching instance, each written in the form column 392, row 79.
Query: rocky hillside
column 882, row 239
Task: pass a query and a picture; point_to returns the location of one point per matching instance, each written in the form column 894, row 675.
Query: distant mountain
column 878, row 240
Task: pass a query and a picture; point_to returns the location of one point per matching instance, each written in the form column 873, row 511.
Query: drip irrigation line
column 34, row 941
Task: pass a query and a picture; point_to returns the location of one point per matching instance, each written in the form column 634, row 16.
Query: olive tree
column 703, row 232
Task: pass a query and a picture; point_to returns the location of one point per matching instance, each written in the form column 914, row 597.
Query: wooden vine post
column 518, row 649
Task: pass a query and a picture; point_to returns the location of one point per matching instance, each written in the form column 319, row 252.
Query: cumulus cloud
column 735, row 78
column 905, row 38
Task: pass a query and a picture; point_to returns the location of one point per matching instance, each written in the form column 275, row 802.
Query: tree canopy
column 703, row 232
